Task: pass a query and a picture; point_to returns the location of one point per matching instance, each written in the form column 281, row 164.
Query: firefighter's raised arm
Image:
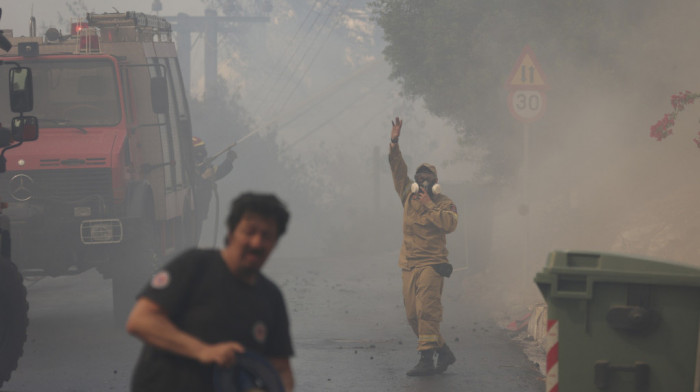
column 396, row 130
column 399, row 171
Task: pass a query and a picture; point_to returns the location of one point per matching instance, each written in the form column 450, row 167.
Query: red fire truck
column 110, row 183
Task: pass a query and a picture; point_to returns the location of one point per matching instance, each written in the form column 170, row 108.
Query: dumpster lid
column 621, row 268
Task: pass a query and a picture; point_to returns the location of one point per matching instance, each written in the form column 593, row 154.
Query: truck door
column 180, row 134
column 179, row 116
column 149, row 147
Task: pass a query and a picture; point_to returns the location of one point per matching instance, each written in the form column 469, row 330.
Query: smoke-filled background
column 313, row 91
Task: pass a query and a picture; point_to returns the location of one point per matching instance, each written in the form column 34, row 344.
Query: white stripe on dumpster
column 551, row 344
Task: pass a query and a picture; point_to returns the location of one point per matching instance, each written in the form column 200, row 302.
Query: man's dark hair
column 265, row 205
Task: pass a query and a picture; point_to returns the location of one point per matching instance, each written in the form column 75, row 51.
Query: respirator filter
column 436, row 189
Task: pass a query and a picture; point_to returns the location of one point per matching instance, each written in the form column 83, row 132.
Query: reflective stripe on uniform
column 427, row 338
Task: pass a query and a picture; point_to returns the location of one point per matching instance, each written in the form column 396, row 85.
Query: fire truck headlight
column 101, row 231
column 82, row 212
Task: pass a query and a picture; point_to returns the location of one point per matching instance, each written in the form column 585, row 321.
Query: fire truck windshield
column 71, row 93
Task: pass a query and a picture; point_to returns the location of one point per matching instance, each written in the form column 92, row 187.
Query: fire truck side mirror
column 159, row 94
column 21, row 90
column 25, row 129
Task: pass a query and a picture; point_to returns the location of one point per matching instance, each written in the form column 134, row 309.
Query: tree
column 456, row 54
column 664, row 127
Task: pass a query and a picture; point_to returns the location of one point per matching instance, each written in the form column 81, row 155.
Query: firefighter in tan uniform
column 428, row 216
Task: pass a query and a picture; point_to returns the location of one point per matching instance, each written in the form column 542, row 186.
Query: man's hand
column 424, row 197
column 222, row 354
column 396, row 128
column 149, row 322
column 231, row 155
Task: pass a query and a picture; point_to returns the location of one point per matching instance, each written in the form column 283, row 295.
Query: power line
column 307, row 105
column 333, row 117
column 283, row 70
column 279, row 59
column 291, row 93
column 294, row 69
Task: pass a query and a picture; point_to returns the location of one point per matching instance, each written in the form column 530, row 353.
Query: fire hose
column 209, row 160
column 216, row 214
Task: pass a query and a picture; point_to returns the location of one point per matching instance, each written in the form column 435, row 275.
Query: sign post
column 526, row 83
column 526, row 101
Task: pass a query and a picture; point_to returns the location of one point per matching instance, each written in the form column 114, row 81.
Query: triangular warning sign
column 527, row 73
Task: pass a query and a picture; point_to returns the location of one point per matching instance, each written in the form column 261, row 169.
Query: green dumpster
column 620, row 323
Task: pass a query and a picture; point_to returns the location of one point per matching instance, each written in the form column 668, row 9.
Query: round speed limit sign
column 526, row 105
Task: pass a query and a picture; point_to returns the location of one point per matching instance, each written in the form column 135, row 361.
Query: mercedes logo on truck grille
column 21, row 187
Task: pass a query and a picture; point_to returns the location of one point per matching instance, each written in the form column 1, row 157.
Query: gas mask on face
column 426, row 179
column 432, row 190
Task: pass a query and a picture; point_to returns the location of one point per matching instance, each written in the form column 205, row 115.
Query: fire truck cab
column 110, row 184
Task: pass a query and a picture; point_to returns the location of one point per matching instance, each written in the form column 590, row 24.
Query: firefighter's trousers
column 422, row 289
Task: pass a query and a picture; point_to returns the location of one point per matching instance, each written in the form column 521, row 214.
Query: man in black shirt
column 207, row 306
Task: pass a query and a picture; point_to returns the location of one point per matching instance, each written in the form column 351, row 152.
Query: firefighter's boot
column 425, row 366
column 445, row 358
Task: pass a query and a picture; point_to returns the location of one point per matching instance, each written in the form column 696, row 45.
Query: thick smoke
column 594, row 178
column 597, row 181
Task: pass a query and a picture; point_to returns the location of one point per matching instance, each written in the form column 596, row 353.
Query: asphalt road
column 347, row 324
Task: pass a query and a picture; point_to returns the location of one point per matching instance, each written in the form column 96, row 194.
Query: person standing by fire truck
column 207, row 175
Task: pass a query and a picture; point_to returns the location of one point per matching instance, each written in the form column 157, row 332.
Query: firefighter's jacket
column 424, row 227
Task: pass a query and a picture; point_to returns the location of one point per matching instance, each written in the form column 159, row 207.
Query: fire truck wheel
column 13, row 318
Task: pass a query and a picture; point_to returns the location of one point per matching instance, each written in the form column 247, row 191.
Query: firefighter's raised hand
column 396, row 129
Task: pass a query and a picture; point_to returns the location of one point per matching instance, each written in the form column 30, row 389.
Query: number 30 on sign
column 526, row 105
